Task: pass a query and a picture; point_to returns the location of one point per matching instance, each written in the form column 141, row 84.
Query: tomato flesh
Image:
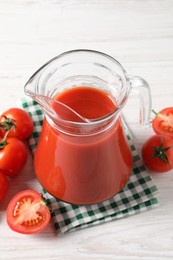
column 27, row 213
column 163, row 122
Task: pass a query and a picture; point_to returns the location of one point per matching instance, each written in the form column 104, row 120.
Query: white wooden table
column 140, row 35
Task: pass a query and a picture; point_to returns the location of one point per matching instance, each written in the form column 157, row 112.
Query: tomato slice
column 163, row 122
column 27, row 212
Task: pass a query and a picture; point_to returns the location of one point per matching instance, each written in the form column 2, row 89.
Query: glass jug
column 84, row 158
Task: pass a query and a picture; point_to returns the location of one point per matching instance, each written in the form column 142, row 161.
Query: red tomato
column 157, row 153
column 13, row 155
column 27, row 212
column 163, row 122
column 19, row 121
column 3, row 185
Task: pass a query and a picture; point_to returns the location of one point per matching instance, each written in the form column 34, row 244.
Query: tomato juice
column 84, row 169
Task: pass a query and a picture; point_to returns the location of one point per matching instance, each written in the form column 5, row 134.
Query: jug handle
column 140, row 87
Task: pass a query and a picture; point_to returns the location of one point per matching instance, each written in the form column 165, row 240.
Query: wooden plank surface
column 137, row 33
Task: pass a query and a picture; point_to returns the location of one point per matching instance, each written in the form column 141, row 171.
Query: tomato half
column 27, row 212
column 157, row 153
column 3, row 185
column 13, row 155
column 18, row 121
column 163, row 122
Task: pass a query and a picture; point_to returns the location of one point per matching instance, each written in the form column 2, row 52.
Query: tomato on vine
column 18, row 122
column 157, row 153
column 27, row 212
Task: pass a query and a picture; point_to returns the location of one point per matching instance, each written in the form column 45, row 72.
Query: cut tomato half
column 163, row 122
column 27, row 212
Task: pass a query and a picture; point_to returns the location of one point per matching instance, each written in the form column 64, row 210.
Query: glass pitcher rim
column 75, row 51
column 108, row 57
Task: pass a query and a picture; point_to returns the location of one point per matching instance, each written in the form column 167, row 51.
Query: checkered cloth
column 140, row 194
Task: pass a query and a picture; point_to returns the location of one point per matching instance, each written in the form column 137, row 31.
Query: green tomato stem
column 7, row 124
column 160, row 152
column 156, row 113
column 3, row 142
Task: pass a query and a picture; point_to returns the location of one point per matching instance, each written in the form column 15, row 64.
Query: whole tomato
column 18, row 122
column 3, row 185
column 163, row 122
column 13, row 155
column 157, row 153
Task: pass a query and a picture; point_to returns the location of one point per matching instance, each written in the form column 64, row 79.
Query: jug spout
column 32, row 90
column 31, row 86
column 53, row 108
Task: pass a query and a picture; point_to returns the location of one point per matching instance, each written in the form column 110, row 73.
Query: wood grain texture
column 140, row 35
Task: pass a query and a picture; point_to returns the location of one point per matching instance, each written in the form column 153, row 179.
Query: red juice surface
column 90, row 103
column 84, row 169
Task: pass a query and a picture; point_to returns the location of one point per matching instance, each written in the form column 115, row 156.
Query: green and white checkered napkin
column 140, row 193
